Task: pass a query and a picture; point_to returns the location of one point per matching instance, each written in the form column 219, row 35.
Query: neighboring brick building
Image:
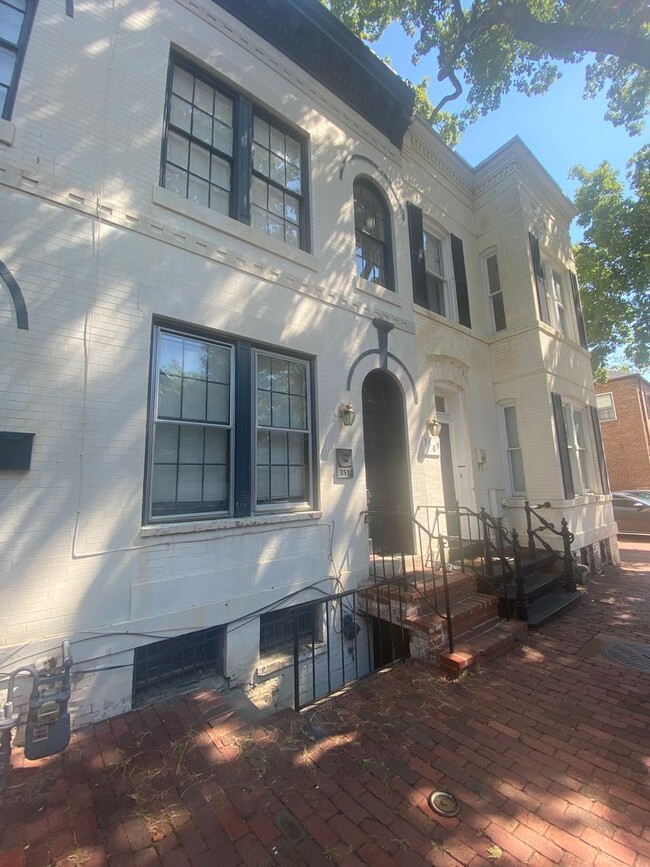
column 624, row 412
column 220, row 224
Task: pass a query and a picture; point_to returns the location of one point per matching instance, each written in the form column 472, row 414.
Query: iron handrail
column 427, row 560
column 534, row 533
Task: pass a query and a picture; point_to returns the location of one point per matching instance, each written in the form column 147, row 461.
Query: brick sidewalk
column 547, row 750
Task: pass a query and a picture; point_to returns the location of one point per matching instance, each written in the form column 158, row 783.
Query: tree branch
column 558, row 38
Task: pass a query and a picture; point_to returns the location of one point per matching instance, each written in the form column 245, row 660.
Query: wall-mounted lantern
column 433, row 426
column 347, row 414
column 431, row 440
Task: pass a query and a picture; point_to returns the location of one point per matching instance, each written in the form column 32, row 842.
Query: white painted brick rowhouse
column 145, row 218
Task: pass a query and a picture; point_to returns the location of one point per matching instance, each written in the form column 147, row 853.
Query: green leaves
column 613, row 260
column 497, row 45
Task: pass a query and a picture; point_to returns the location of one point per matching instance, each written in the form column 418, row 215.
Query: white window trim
column 261, row 508
column 507, row 449
column 448, row 278
column 609, row 394
column 488, row 254
column 553, row 269
column 581, row 486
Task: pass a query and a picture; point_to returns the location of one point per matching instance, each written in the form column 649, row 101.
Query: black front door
column 386, row 461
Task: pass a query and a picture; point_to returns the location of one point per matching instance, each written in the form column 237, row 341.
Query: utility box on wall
column 15, row 450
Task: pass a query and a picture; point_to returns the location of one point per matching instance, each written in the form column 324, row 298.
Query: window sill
column 275, row 662
column 181, row 527
column 178, row 205
column 7, row 132
column 431, row 314
column 377, row 291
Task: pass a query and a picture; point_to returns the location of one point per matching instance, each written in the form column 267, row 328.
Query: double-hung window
column 283, row 436
column 437, row 285
column 15, row 22
column 231, row 428
column 513, row 449
column 559, row 303
column 578, row 447
column 606, row 408
column 435, row 272
column 225, row 153
column 497, row 307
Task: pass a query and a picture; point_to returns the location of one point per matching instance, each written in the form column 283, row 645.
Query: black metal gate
column 353, row 634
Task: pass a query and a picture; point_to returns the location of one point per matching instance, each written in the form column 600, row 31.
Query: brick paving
column 547, row 751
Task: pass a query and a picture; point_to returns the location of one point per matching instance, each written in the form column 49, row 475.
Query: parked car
column 632, row 511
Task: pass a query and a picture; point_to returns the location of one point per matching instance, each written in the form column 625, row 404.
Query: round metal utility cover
column 444, row 804
column 631, row 655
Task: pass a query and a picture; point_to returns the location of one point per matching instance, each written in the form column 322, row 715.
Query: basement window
column 277, row 628
column 174, row 663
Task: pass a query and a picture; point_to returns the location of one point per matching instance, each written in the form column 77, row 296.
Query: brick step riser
column 418, row 623
column 462, row 623
column 412, row 597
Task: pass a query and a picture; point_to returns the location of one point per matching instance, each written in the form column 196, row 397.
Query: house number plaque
column 344, row 468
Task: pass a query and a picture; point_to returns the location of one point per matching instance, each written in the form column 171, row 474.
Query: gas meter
column 48, row 721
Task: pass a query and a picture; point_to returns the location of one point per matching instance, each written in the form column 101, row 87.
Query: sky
column 561, row 128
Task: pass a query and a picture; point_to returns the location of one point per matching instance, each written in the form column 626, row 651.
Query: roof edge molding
column 313, row 38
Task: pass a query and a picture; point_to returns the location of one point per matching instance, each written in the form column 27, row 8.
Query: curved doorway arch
column 387, row 464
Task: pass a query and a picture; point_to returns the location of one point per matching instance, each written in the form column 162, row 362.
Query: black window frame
column 277, row 628
column 458, row 300
column 243, row 426
column 241, row 160
column 19, row 49
column 360, row 183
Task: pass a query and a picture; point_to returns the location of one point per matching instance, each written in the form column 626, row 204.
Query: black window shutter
column 540, row 284
column 565, row 460
column 580, row 319
column 462, row 294
column 418, row 270
column 600, row 451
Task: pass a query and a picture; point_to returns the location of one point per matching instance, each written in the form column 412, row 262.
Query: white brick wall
column 99, row 250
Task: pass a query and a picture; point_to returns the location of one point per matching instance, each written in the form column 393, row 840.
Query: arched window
column 15, row 23
column 372, row 234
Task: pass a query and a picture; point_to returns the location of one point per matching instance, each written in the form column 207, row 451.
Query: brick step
column 487, row 644
column 429, row 631
column 398, row 601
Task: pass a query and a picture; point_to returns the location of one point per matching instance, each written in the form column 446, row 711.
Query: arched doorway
column 386, row 462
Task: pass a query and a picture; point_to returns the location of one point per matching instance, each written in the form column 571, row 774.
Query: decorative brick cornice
column 44, row 187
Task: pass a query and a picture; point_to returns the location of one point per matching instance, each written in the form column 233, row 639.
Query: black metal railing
column 404, row 549
column 536, row 538
column 479, row 543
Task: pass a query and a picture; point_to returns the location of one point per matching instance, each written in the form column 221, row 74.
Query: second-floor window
column 606, row 409
column 372, row 234
column 227, row 154
column 559, row 303
column 437, row 285
column 438, row 270
column 15, row 22
column 497, row 307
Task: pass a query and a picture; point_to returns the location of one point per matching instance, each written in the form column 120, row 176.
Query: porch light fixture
column 347, row 414
column 433, row 426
